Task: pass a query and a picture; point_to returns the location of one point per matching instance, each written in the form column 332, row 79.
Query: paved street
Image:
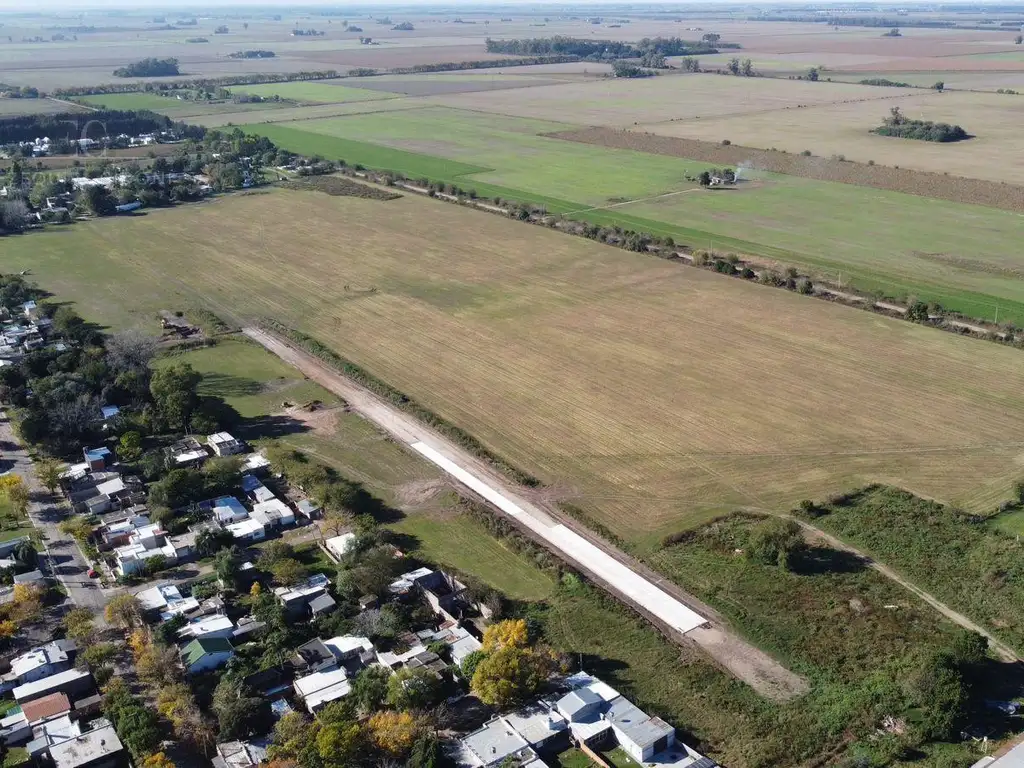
column 63, row 559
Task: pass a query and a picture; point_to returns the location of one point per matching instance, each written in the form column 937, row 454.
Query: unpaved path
column 1002, row 650
column 743, row 660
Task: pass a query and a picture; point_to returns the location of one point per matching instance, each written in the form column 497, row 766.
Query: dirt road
column 1003, row 651
column 676, row 613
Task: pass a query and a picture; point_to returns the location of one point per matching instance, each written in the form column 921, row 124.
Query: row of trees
column 204, row 82
column 75, row 125
column 600, row 49
column 739, row 68
column 252, row 54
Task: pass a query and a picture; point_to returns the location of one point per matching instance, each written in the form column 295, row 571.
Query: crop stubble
column 652, row 392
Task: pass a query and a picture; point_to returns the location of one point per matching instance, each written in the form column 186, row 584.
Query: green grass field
column 130, row 101
column 254, row 382
column 965, row 257
column 465, row 544
column 313, row 92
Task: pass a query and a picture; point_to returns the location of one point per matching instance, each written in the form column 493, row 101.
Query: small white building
column 337, row 546
column 273, row 513
column 247, row 530
column 228, row 509
column 321, row 688
column 208, row 626
column 42, row 661
column 223, row 444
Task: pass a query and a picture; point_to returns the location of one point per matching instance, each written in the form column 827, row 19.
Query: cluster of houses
column 24, row 332
column 56, row 718
column 592, row 716
column 43, row 146
column 132, row 542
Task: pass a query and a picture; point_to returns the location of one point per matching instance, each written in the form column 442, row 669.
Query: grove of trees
column 899, row 125
column 149, row 67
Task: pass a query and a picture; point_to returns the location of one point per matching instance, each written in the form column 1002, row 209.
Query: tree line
column 603, row 49
column 204, row 82
column 75, row 125
column 254, row 54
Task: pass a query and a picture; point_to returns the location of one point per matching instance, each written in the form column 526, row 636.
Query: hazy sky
column 21, row 6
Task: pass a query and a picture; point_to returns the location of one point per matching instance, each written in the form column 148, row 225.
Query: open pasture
column 17, row 107
column 964, row 256
column 649, row 393
column 657, row 99
column 993, row 119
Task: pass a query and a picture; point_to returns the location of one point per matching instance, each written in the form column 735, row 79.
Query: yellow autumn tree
column 124, row 611
column 158, row 760
column 394, row 732
column 511, row 633
column 512, row 675
column 7, row 629
column 255, row 589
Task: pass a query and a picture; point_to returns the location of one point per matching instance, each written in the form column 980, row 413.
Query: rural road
column 677, row 613
column 61, row 553
column 1002, row 650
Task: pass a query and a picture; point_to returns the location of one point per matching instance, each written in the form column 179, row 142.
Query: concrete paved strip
column 634, row 586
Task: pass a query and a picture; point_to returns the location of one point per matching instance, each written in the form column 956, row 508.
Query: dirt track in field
column 956, row 189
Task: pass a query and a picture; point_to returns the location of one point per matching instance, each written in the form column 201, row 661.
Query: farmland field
column 845, row 128
column 963, row 256
column 314, row 92
column 647, row 392
column 15, row 107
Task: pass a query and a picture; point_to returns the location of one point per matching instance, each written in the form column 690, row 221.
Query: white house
column 223, row 444
column 321, row 688
column 144, row 543
column 247, row 530
column 273, row 513
column 208, row 626
column 42, row 661
column 228, row 509
column 295, row 598
column 337, row 546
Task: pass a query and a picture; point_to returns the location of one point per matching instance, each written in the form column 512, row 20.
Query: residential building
column 96, row 748
column 208, row 626
column 241, row 754
column 187, row 452
column 297, row 597
column 226, row 509
column 255, row 463
column 144, row 544
column 460, row 643
column 30, row 577
column 223, row 444
column 338, row 545
column 309, row 509
column 247, row 530
column 320, row 688
column 74, row 682
column 204, row 654
column 443, row 592
column 17, row 728
column 321, row 606
column 254, row 488
column 273, row 513
column 98, row 459
column 164, row 598
column 42, row 661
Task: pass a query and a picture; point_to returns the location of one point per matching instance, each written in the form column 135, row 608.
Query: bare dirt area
column 957, row 189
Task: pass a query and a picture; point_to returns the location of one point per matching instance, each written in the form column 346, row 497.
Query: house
column 226, row 509
column 241, row 754
column 444, row 592
column 337, row 546
column 165, row 599
column 320, row 688
column 98, row 459
column 208, row 626
column 31, row 577
column 30, row 309
column 273, row 513
column 351, row 647
column 460, row 643
column 117, row 529
column 256, row 463
column 96, row 748
column 187, row 453
column 109, row 412
column 309, row 509
column 247, row 530
column 7, row 548
column 206, row 653
column 223, row 444
column 17, row 728
column 73, row 682
column 321, row 606
column 247, row 629
column 295, row 598
column 255, row 489
column 50, row 733
column 144, row 544
column 42, row 661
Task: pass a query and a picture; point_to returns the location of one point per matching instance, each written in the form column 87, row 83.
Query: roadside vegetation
column 965, row 559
